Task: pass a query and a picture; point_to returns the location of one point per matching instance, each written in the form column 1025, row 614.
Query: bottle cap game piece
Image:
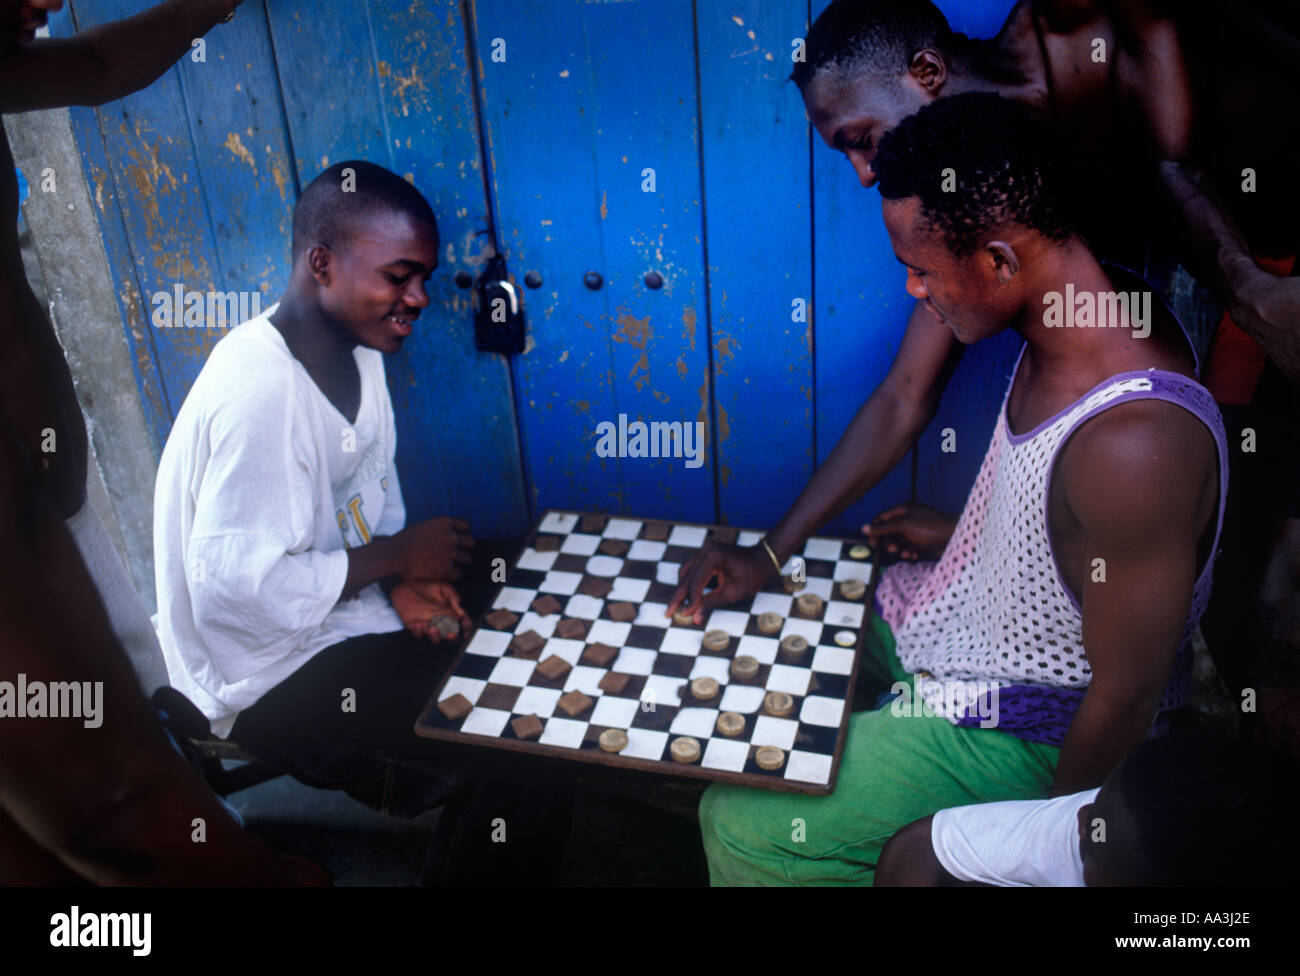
column 447, row 626
column 553, row 667
column 852, row 589
column 778, row 703
column 809, row 604
column 731, row 723
column 455, row 708
column 612, row 740
column 717, row 640
column 574, row 703
column 769, row 623
column 685, row 749
column 704, row 688
column 526, row 726
column 684, row 618
column 744, row 667
column 769, row 757
column 845, row 638
column 793, row 645
column 791, row 585
column 859, row 551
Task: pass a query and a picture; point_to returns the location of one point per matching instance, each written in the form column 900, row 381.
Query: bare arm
column 908, row 859
column 1141, row 481
column 106, row 62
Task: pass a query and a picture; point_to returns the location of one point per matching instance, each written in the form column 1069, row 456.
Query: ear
column 1006, row 265
column 929, row 71
column 319, row 261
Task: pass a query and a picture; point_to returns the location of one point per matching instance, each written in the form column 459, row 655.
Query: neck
column 1081, row 352
column 314, row 339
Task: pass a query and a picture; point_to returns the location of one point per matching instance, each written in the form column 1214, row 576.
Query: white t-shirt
column 262, row 487
column 1016, row 843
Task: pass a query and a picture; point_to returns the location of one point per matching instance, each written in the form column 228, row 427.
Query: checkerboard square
column 532, row 559
column 810, row 630
column 545, row 626
column 560, row 522
column 617, row 713
column 634, row 660
column 485, row 721
column 563, row 732
column 732, row 621
column 842, row 614
column 690, row 536
column 608, row 632
column 662, row 690
column 819, row 585
column 745, row 699
column 585, row 679
column 489, row 643
column 631, row 590
column 471, row 688
column 833, row 660
column 808, row 767
column 540, row 701
column 772, row 603
column 514, row 599
column 644, row 550
column 569, row 650
column 606, row 566
column 580, row 545
column 779, row 732
column 584, row 607
column 728, row 754
column 678, row 640
column 789, row 679
column 617, row 528
column 822, row 549
column 748, row 538
column 761, row 649
column 652, row 615
column 645, row 744
column 698, row 722
column 711, row 667
column 512, row 671
column 817, row 710
column 667, row 573
column 566, row 584
column 847, row 569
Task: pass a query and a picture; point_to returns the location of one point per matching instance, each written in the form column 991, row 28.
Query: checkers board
column 518, row 663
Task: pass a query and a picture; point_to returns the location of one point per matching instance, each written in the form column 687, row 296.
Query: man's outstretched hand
column 738, row 572
column 435, row 549
column 419, row 603
column 912, row 531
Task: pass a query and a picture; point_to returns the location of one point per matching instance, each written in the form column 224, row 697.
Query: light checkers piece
column 530, row 680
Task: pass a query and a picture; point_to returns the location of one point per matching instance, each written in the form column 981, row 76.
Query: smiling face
column 976, row 296
column 851, row 114
column 373, row 287
column 19, row 20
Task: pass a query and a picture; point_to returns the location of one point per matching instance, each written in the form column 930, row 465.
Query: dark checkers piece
column 592, row 524
column 544, row 606
column 571, row 629
column 622, row 612
column 655, row 532
column 614, row 683
column 599, row 654
column 852, row 589
column 528, row 643
column 547, row 543
column 455, row 708
column 724, row 533
column 526, row 726
column 553, row 667
column 613, row 547
column 574, row 703
column 595, row 586
column 501, row 619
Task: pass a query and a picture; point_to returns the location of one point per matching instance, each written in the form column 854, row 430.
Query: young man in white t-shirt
column 1177, row 811
column 279, row 520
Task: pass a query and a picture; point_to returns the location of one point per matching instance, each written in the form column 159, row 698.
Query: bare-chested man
column 110, row 803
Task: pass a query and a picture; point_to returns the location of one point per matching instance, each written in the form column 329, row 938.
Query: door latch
column 499, row 318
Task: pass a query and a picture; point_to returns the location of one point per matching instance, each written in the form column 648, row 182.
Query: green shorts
column 895, row 769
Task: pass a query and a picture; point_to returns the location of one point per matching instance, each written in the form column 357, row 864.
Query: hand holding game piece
column 435, row 549
column 738, row 572
column 912, row 531
column 420, row 603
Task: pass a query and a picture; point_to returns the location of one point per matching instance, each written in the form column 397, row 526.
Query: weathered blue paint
column 575, row 115
column 759, row 220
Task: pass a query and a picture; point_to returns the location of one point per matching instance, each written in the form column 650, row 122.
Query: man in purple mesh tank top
column 1050, row 636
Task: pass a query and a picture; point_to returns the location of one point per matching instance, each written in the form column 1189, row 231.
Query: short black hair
column 326, row 213
column 1002, row 159
column 1209, row 810
column 873, row 37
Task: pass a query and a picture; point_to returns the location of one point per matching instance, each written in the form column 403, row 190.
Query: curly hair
column 1001, row 159
column 873, row 37
column 326, row 214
